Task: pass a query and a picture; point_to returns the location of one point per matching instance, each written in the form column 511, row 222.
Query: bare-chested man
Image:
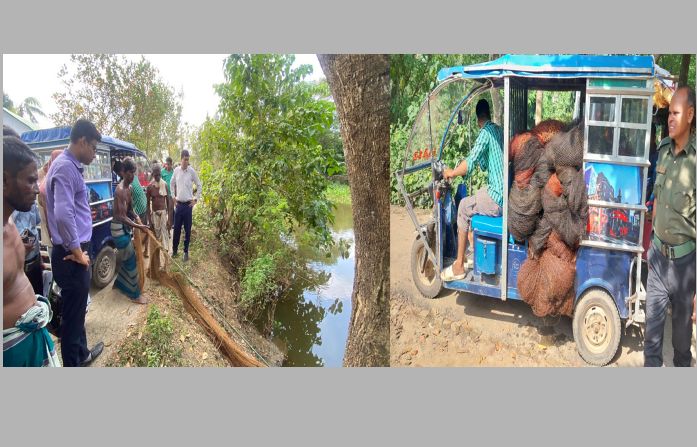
column 159, row 209
column 125, row 219
column 26, row 341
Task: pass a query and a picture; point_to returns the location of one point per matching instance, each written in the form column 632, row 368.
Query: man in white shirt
column 182, row 183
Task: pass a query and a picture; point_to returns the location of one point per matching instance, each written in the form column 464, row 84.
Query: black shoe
column 174, row 255
column 186, row 256
column 94, row 353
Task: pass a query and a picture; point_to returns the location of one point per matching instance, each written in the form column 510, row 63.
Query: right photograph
column 542, row 210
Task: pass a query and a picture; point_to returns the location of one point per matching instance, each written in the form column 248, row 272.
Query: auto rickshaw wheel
column 104, row 267
column 425, row 274
column 597, row 327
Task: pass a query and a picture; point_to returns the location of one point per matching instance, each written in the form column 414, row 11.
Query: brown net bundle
column 545, row 283
column 567, row 305
column 524, row 206
column 547, row 129
column 566, row 148
column 557, row 247
column 528, row 155
column 553, row 186
column 522, row 178
column 195, row 306
column 517, row 143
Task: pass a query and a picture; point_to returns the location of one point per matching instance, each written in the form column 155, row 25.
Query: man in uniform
column 672, row 254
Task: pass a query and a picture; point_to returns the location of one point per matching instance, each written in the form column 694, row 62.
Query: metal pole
column 504, row 226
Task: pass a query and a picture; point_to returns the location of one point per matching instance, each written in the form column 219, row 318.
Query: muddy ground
column 460, row 329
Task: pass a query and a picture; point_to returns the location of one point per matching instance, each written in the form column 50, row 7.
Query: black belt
column 184, row 203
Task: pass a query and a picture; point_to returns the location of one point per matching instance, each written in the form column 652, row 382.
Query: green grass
column 339, row 193
column 154, row 347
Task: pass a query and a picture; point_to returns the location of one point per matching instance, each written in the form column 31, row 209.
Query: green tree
column 124, row 99
column 264, row 168
column 7, row 102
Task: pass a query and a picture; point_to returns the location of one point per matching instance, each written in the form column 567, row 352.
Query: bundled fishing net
column 557, row 247
column 547, row 129
column 573, row 187
column 522, row 178
column 538, row 240
column 517, row 143
column 524, row 209
column 553, row 186
column 543, row 171
column 528, row 155
column 566, row 148
column 545, row 283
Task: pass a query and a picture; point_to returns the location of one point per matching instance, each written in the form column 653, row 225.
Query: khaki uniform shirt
column 674, row 223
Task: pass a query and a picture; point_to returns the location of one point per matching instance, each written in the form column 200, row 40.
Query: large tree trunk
column 360, row 88
column 538, row 106
column 684, row 70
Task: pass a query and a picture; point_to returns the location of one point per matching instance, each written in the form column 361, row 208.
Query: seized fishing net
column 522, row 178
column 542, row 172
column 195, row 306
column 538, row 240
column 566, row 148
column 544, row 283
column 553, row 186
column 573, row 187
column 546, row 129
column 517, row 143
column 557, row 247
column 524, row 205
column 528, row 155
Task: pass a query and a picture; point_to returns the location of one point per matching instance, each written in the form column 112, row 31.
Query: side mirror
column 459, row 117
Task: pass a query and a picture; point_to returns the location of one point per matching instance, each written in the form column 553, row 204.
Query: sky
column 36, row 75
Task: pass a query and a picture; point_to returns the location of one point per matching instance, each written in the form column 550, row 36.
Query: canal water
column 311, row 321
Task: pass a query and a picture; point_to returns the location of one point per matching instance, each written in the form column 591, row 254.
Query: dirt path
column 460, row 329
column 113, row 319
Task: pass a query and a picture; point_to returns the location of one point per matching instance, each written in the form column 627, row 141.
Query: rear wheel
column 104, row 267
column 597, row 327
column 425, row 274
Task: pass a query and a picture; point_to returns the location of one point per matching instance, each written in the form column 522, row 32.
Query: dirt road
column 460, row 329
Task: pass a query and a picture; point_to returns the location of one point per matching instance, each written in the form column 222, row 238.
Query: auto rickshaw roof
column 555, row 66
column 62, row 134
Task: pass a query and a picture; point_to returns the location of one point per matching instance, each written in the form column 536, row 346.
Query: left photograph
column 190, row 211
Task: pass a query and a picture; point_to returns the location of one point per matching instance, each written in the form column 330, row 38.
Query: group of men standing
column 26, row 311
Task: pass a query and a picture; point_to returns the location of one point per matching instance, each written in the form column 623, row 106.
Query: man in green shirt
column 488, row 154
column 672, row 254
column 166, row 173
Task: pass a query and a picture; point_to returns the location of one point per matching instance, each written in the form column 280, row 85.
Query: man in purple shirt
column 70, row 225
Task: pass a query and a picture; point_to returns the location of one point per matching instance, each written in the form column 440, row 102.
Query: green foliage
column 124, row 99
column 555, row 105
column 259, row 283
column 154, row 347
column 673, row 63
column 413, row 77
column 264, row 166
column 8, row 103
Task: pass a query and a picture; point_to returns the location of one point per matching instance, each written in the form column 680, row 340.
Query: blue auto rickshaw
column 101, row 183
column 614, row 101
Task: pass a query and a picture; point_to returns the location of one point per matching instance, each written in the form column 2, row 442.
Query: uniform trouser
column 182, row 216
column 74, row 281
column 669, row 280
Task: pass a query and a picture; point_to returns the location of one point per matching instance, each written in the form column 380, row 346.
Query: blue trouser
column 182, row 215
column 74, row 281
column 670, row 280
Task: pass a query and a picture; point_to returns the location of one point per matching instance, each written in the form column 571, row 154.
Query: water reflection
column 312, row 319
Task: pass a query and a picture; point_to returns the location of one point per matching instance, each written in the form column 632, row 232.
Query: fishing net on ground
column 566, row 148
column 195, row 306
column 528, row 155
column 546, row 129
column 524, row 205
column 517, row 143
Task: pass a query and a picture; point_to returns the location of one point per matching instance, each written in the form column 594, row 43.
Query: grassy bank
column 339, row 193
